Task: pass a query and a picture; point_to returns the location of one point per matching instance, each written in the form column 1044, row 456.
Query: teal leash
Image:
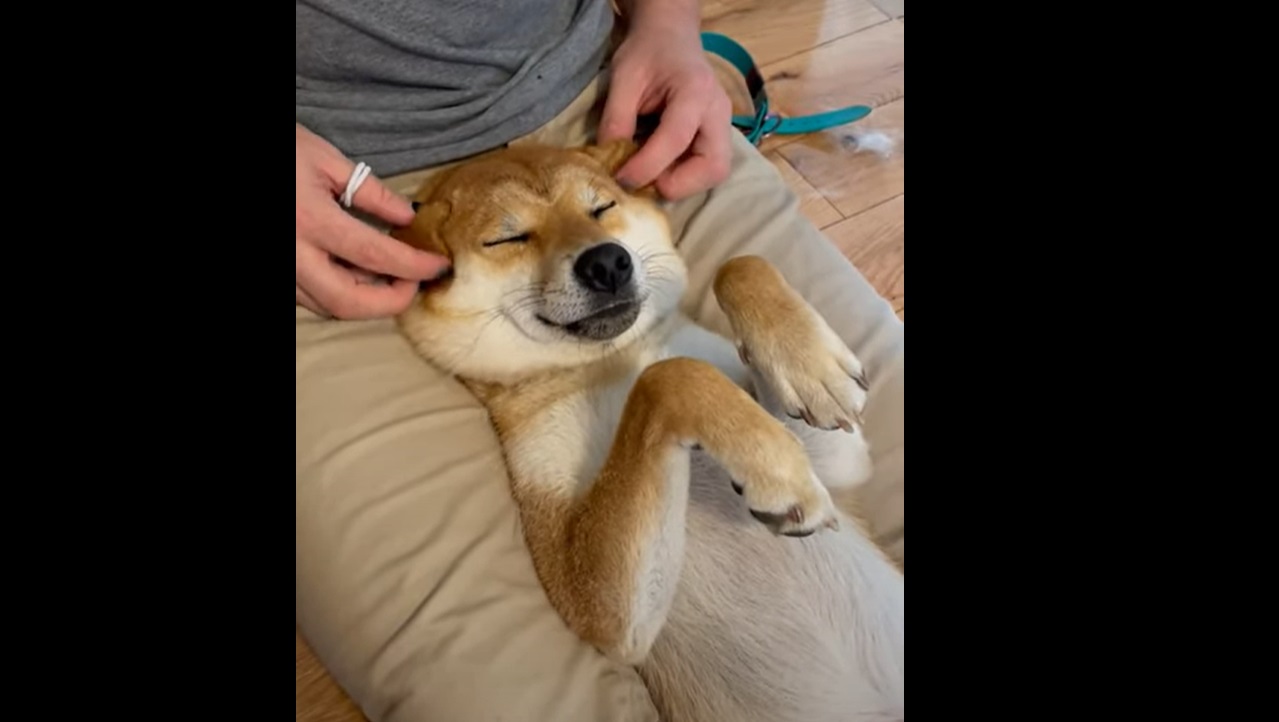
column 765, row 122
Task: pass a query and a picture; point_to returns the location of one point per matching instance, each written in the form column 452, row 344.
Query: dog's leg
column 610, row 556
column 801, row 369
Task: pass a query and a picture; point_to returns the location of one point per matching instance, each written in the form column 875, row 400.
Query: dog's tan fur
column 618, row 443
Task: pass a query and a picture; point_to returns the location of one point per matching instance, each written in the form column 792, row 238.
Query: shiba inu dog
column 683, row 495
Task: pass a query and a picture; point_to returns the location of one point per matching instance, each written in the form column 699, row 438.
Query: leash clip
column 765, row 122
column 772, row 121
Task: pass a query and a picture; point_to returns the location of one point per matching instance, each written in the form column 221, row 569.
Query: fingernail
column 627, row 184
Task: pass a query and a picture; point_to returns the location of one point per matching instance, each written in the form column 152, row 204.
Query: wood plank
column 771, row 30
column 318, row 697
column 850, row 180
column 875, row 242
column 866, row 68
column 812, row 204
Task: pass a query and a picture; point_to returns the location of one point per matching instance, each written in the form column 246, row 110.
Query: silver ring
column 353, row 184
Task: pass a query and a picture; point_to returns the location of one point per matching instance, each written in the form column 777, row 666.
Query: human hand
column 661, row 66
column 326, row 233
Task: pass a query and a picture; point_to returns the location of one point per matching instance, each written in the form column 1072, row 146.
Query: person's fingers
column 323, row 222
column 371, row 197
column 363, row 246
column 375, row 198
column 339, row 292
column 674, row 135
column 708, row 164
column 305, row 300
column 621, row 108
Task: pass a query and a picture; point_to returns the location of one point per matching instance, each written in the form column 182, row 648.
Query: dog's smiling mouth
column 604, row 324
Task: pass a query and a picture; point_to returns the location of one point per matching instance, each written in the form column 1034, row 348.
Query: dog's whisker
column 533, row 289
column 494, row 315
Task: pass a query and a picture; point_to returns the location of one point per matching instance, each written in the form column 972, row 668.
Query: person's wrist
column 669, row 20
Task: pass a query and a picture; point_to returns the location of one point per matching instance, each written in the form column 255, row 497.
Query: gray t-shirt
column 405, row 84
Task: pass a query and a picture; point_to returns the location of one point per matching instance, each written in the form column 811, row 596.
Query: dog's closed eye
column 522, row 238
column 599, row 211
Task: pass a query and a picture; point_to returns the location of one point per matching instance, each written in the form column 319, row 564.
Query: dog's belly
column 773, row 628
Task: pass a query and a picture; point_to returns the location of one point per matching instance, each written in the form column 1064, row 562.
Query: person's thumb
column 621, row 108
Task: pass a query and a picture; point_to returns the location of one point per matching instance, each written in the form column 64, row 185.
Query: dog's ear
column 612, row 155
column 423, row 232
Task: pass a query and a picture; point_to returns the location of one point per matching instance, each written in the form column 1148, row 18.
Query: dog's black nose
column 605, row 268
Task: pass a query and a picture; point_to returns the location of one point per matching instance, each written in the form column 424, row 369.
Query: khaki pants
column 413, row 583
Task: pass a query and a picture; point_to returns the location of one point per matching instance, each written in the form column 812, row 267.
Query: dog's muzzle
column 605, row 276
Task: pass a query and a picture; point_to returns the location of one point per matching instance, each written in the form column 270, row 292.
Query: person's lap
column 412, row 582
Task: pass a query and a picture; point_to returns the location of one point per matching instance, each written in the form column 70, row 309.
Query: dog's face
column 554, row 264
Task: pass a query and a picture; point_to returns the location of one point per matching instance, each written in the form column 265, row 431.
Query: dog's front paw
column 813, row 375
column 781, row 490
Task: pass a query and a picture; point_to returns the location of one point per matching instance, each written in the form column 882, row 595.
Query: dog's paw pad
column 810, row 508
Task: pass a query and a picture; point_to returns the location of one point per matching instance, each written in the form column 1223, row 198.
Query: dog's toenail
column 799, row 533
column 768, row 518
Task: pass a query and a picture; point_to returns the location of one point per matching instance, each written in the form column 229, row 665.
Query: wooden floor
column 819, row 55
column 815, row 55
